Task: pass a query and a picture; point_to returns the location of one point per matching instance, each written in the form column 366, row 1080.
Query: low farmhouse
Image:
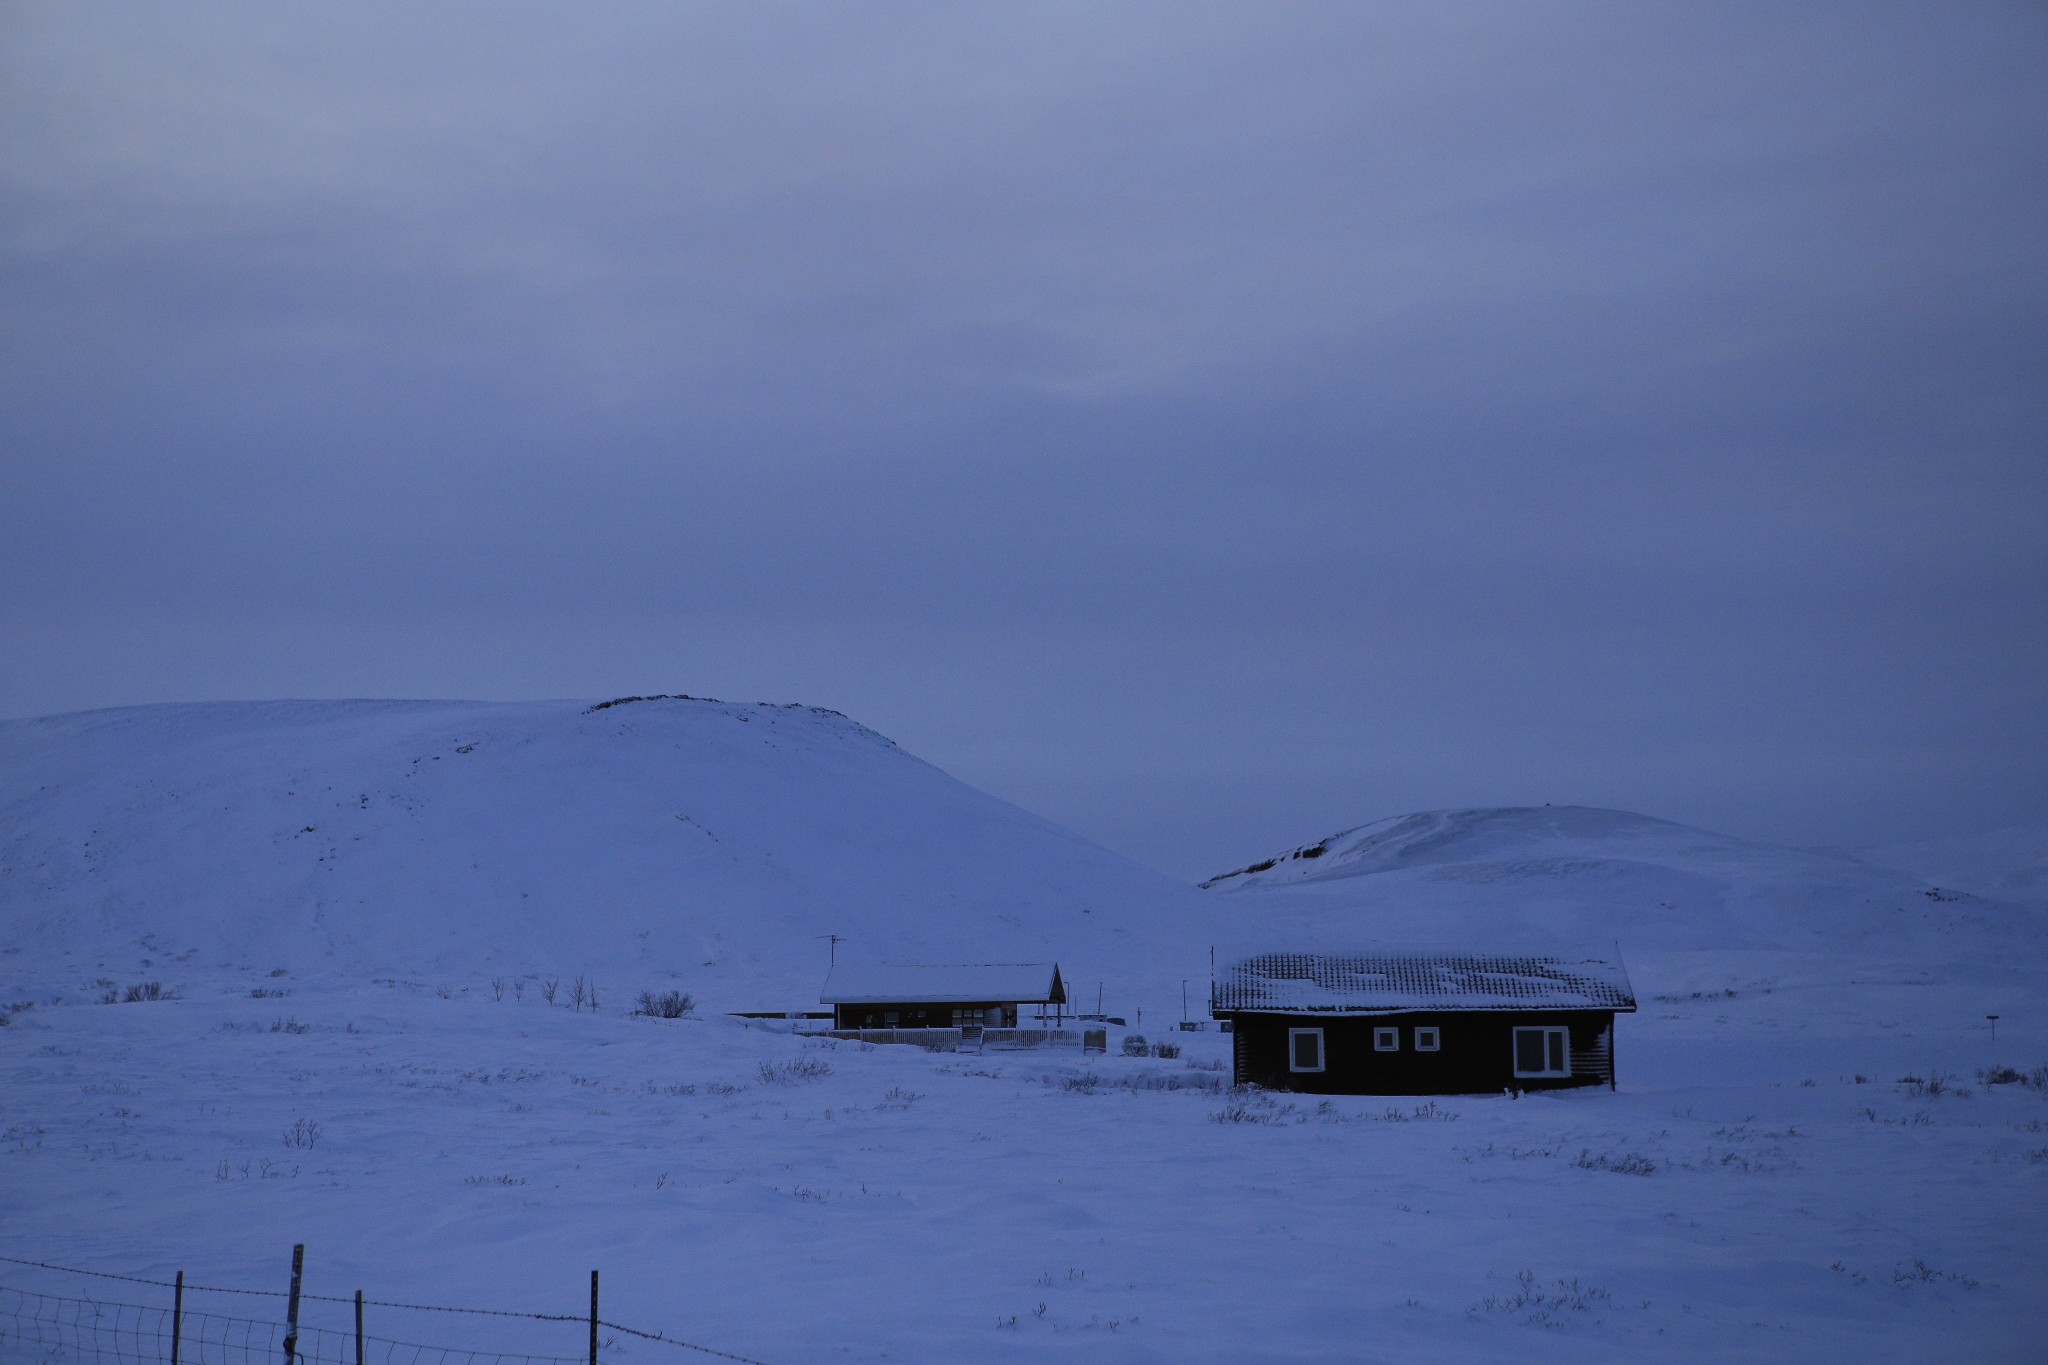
column 930, row 996
column 1410, row 1023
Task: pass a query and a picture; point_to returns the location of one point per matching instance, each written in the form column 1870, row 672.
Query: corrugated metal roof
column 1382, row 982
column 916, row 983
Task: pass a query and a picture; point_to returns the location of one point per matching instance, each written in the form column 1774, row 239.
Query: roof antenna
column 833, row 951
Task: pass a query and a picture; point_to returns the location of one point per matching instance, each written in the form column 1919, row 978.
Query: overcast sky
column 1209, row 426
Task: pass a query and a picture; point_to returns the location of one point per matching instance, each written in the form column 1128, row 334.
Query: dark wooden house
column 930, row 996
column 1410, row 1023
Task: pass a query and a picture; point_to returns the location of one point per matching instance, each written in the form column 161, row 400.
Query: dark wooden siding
column 922, row 1014
column 1476, row 1055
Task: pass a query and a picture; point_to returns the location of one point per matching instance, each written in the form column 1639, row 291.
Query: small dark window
column 1304, row 1049
column 1427, row 1039
column 1386, row 1040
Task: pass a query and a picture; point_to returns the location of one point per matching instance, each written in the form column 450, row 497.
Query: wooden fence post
column 177, row 1315
column 359, row 1327
column 291, row 1312
column 593, row 1317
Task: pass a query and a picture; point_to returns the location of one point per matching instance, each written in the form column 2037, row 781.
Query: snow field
column 794, row 1199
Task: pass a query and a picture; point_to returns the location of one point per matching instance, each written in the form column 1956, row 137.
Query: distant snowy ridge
column 709, row 842
column 677, row 842
column 2011, row 862
column 1577, row 874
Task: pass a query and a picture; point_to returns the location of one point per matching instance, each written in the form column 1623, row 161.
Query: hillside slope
column 2011, row 863
column 709, row 842
column 1543, row 874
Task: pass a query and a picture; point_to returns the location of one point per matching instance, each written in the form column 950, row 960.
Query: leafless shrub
column 268, row 992
column 1167, row 1050
column 1937, row 1084
column 1542, row 1307
column 579, row 991
column 795, row 1071
column 1135, row 1045
column 1919, row 1272
column 304, row 1134
column 497, row 988
column 478, row 1181
column 666, row 1005
column 1629, row 1163
column 548, row 989
column 288, row 1024
column 140, row 991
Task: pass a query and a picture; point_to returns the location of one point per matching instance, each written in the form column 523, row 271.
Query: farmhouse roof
column 1010, row 983
column 1374, row 982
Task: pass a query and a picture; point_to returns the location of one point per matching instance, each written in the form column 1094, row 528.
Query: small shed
column 1377, row 1022
column 923, row 995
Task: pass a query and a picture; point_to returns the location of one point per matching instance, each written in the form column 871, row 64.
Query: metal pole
column 177, row 1315
column 291, row 1312
column 359, row 1327
column 593, row 1317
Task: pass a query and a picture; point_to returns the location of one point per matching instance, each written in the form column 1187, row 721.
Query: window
column 1428, row 1040
column 1304, row 1049
column 1543, row 1052
column 1386, row 1040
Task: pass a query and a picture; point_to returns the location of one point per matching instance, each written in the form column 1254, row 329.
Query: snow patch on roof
column 1369, row 982
column 1007, row 983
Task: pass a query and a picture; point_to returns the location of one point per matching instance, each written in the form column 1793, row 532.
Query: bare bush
column 1541, row 1307
column 1135, row 1045
column 795, row 1071
column 304, row 1134
column 288, row 1024
column 1629, row 1163
column 548, row 989
column 140, row 991
column 665, row 1005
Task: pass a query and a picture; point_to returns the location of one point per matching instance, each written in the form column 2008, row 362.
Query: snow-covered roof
column 1371, row 982
column 916, row 983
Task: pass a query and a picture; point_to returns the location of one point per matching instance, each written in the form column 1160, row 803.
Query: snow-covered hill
column 663, row 839
column 1537, row 874
column 2011, row 863
column 1819, row 1149
column 712, row 845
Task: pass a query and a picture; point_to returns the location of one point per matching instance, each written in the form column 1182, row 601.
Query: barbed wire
column 661, row 1337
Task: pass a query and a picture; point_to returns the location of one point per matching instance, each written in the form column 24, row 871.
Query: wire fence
column 36, row 1326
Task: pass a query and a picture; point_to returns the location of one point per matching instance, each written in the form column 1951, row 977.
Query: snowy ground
column 1742, row 1196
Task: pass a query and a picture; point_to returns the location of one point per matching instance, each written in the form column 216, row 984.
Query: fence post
column 593, row 1317
column 359, row 1327
column 291, row 1312
column 177, row 1315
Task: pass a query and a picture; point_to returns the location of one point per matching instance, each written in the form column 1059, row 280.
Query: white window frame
column 1428, row 1038
column 1294, row 1056
column 1547, row 1030
column 1386, row 1038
